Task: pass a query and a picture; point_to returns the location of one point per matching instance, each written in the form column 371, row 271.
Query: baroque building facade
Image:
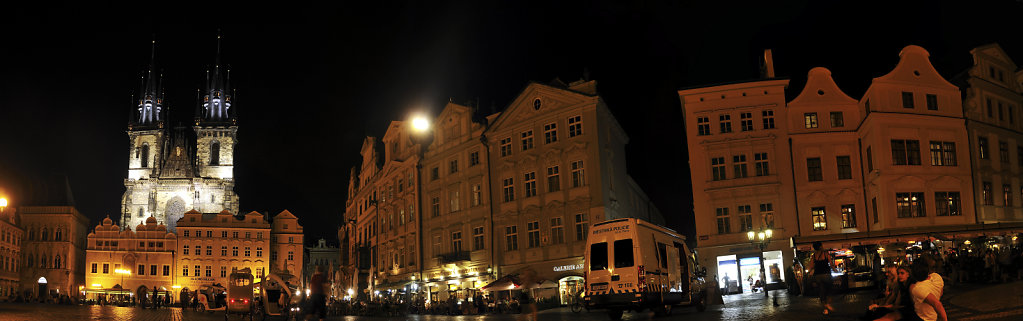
column 138, row 261
column 172, row 170
column 53, row 251
column 859, row 175
column 486, row 197
column 212, row 245
column 11, row 238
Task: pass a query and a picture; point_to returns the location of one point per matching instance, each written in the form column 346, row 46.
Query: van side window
column 681, row 256
column 598, row 256
column 662, row 252
column 623, row 253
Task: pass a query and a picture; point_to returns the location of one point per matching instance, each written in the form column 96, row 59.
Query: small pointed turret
column 149, row 109
column 215, row 106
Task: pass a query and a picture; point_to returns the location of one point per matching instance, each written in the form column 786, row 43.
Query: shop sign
column 201, row 279
column 569, row 267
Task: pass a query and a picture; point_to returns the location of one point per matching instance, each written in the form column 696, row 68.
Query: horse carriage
column 276, row 298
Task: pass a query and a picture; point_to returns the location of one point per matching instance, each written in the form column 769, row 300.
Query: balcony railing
column 454, row 257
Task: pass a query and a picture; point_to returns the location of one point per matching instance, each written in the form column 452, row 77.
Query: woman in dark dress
column 820, row 268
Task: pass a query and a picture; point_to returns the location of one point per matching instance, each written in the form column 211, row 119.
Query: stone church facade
column 173, row 170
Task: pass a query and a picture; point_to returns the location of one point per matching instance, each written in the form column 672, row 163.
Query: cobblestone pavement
column 963, row 302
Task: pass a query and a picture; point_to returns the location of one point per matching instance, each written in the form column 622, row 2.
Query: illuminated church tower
column 174, row 170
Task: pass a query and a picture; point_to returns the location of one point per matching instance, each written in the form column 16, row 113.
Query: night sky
column 314, row 79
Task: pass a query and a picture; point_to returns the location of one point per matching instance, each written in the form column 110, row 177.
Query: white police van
column 632, row 264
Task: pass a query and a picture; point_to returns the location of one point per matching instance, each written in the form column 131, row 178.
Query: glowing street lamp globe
column 3, row 202
column 420, row 124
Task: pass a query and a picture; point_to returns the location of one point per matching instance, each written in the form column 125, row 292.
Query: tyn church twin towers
column 174, row 170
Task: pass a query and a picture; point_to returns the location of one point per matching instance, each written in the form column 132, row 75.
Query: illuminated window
column 848, row 216
column 810, row 120
column 944, row 153
column 820, row 221
column 947, row 204
column 909, row 204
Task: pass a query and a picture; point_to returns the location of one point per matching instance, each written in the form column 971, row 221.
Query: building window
column 94, row 266
column 509, row 189
column 456, row 242
column 578, row 174
column 557, row 231
column 505, row 148
column 477, row 195
column 768, row 116
column 248, row 251
column 739, row 164
column 873, row 208
column 259, row 235
column 527, row 140
column 141, row 270
column 760, row 164
column 746, row 121
column 982, row 147
column 197, row 271
column 717, row 167
column 474, row 159
column 145, row 155
column 837, row 120
column 813, row 169
column 452, row 168
column 530, row 184
column 209, row 250
column 810, row 120
column 185, row 233
column 209, row 270
column 1007, row 194
column 722, row 217
column 223, row 251
column 184, row 270
column 223, row 271
column 910, row 204
column 235, row 234
column 533, row 234
column 932, row 102
column 550, row 133
column 553, row 179
column 166, row 270
column 477, row 238
column 1003, row 152
column 848, row 216
column 234, row 251
column 870, row 160
column 767, row 213
column 209, row 233
column 907, row 99
column 943, row 153
column 820, row 221
column 511, row 238
column 985, row 194
column 947, row 204
column 223, row 234
column 434, row 173
column 291, row 256
column 905, row 152
column 844, row 167
column 581, row 227
column 435, row 206
column 725, row 123
column 575, row 126
column 455, row 200
column 702, row 126
column 184, row 250
column 745, row 218
column 152, row 269
column 1001, row 112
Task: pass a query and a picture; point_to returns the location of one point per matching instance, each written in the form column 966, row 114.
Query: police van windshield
column 598, row 256
column 623, row 253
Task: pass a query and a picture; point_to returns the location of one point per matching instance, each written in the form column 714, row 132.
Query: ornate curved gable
column 915, row 67
column 820, row 89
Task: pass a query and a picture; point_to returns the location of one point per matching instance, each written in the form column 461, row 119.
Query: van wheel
column 701, row 302
column 615, row 314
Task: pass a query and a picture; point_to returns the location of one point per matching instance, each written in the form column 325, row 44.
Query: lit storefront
column 739, row 273
column 555, row 280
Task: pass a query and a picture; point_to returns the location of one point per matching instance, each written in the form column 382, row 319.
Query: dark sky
column 314, row 79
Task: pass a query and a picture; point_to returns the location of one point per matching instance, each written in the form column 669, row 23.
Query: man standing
column 318, row 301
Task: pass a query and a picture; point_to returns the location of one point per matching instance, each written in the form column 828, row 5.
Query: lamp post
column 3, row 204
column 420, row 129
column 761, row 239
column 122, row 272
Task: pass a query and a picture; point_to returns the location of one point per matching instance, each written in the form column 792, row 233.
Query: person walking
column 821, row 271
column 318, row 301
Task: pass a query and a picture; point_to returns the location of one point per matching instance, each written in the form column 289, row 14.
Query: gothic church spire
column 149, row 109
column 215, row 105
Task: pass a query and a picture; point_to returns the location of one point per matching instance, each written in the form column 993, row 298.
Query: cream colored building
column 211, row 246
column 457, row 226
column 11, row 238
column 556, row 159
column 286, row 245
column 742, row 176
column 145, row 257
column 360, row 216
column 993, row 89
column 53, row 251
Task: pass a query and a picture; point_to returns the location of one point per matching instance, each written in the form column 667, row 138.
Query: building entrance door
column 42, row 287
column 749, row 271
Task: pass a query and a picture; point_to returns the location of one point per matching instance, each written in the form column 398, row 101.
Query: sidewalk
column 984, row 302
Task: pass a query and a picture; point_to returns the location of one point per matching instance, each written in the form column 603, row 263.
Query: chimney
column 767, row 65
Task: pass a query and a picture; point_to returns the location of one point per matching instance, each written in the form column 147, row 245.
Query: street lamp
column 122, row 272
column 761, row 239
column 421, row 130
column 3, row 204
